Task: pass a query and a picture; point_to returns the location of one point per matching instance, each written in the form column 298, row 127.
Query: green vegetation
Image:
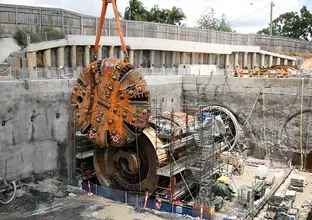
column 47, row 33
column 292, row 24
column 208, row 20
column 137, row 12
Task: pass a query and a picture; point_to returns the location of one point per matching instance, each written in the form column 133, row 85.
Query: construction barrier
column 89, row 189
column 139, row 200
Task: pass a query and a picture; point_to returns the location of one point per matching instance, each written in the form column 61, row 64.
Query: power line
column 250, row 13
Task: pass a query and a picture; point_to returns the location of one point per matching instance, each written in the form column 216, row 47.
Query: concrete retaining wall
column 34, row 145
column 36, row 140
column 274, row 121
column 36, row 18
column 42, row 144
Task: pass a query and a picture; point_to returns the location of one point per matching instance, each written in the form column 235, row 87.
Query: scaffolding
column 83, row 150
column 193, row 164
column 198, row 169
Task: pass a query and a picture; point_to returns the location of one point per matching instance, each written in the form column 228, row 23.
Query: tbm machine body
column 113, row 107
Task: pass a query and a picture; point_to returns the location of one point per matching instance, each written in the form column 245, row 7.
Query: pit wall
column 36, row 138
column 273, row 107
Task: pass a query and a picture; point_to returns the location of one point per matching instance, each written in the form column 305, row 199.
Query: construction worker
column 158, row 204
column 241, row 73
column 282, row 73
column 235, row 73
column 288, row 73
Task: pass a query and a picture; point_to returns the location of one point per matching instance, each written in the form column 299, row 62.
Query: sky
column 246, row 16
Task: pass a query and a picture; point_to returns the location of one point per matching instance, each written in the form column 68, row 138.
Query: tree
column 208, row 20
column 158, row 15
column 176, row 15
column 136, row 11
column 292, row 24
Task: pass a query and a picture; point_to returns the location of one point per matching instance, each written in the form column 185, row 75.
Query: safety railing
column 73, row 73
column 39, row 73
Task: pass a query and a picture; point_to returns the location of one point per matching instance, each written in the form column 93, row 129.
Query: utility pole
column 271, row 16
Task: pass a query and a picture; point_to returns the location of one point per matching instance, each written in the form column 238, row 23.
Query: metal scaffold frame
column 194, row 170
column 197, row 167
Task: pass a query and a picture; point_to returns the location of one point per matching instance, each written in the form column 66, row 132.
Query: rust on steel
column 135, row 166
column 111, row 96
column 112, row 102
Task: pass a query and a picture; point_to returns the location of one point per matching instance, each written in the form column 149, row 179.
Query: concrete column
column 173, row 62
column 32, row 64
column 60, row 57
column 227, row 61
column 163, row 58
column 121, row 53
column 47, row 63
column 111, row 51
column 236, row 60
column 141, row 58
column 254, row 60
column 201, row 58
column 193, row 59
column 245, row 59
column 47, row 58
column 183, row 61
column 285, row 62
column 100, row 53
column 86, row 56
column 270, row 60
column 278, row 61
column 262, row 60
column 210, row 59
column 293, row 62
column 218, row 60
column 151, row 57
column 131, row 56
column 73, row 56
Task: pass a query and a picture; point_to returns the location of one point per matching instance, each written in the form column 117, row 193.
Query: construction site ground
column 230, row 208
column 51, row 200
